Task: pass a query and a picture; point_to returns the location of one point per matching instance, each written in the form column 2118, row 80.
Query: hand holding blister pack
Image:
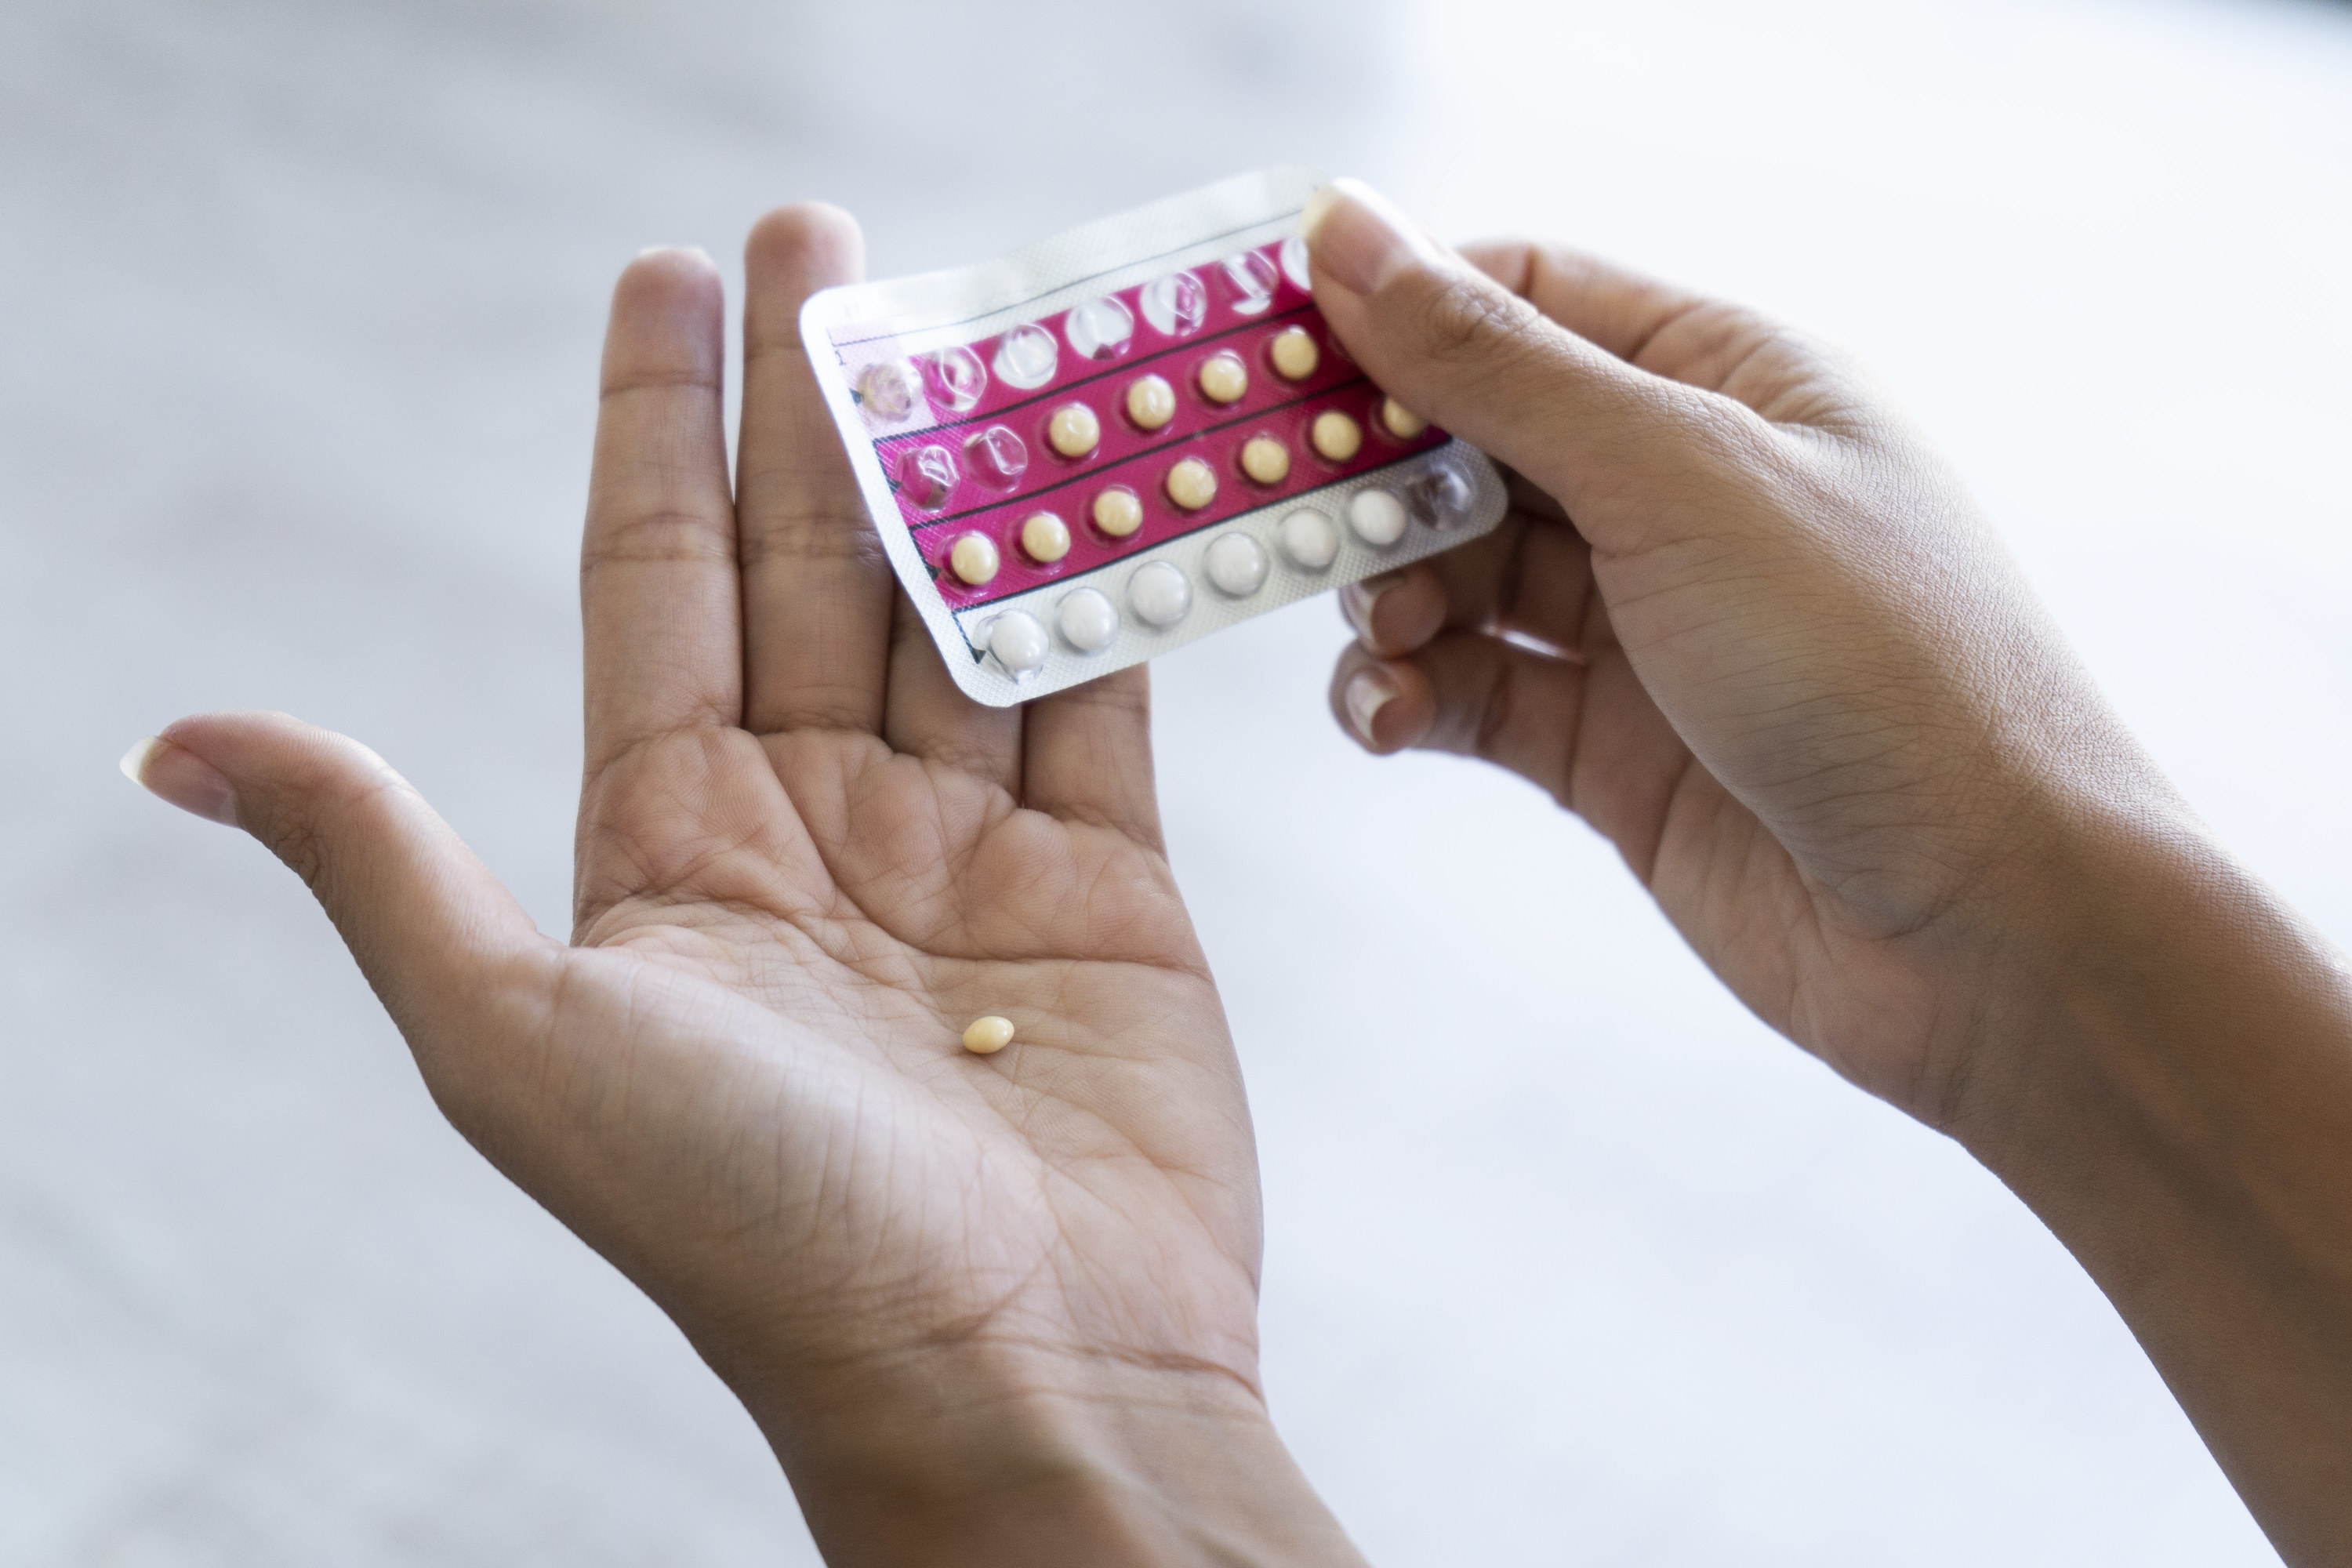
column 1107, row 445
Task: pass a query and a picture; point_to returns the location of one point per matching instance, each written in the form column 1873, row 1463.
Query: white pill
column 1160, row 593
column 1236, row 565
column 1376, row 516
column 1310, row 539
column 1088, row 621
column 1018, row 642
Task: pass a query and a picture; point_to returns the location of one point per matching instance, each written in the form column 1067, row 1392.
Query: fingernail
column 176, row 775
column 1368, row 691
column 1357, row 601
column 694, row 251
column 1359, row 238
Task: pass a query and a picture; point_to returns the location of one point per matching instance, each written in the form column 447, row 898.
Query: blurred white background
column 1569, row 1259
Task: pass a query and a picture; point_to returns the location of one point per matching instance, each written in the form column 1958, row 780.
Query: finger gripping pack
column 1100, row 447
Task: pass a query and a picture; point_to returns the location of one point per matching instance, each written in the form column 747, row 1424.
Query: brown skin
column 1003, row 1311
column 1796, row 680
column 987, row 1310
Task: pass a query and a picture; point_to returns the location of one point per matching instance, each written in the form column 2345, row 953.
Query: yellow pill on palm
column 986, row 1037
column 1336, row 435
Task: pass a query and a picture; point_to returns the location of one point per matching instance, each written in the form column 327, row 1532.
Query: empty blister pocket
column 1104, row 446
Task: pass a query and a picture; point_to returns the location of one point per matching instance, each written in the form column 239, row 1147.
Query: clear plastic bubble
column 1293, row 262
column 1253, row 280
column 1027, row 356
column 1236, row 565
column 1440, row 497
column 1088, row 621
column 926, row 475
column 1099, row 328
column 1161, row 594
column 1175, row 305
column 997, row 455
column 885, row 392
column 1018, row 642
column 954, row 378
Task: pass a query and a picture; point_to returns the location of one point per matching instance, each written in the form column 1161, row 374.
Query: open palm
column 805, row 861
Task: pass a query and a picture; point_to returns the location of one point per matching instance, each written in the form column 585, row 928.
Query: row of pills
column 1190, row 485
column 997, row 455
column 1027, row 356
column 1160, row 595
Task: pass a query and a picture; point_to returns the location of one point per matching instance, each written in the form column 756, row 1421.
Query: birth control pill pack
column 1100, row 447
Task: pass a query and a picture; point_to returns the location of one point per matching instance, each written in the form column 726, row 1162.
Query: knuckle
column 654, row 537
column 300, row 819
column 1469, row 320
column 808, row 533
column 1495, row 703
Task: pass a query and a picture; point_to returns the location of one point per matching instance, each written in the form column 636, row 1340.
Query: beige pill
column 1294, row 354
column 986, row 1037
column 1192, row 484
column 1266, row 459
column 1073, row 431
column 1118, row 513
column 1336, row 435
column 1150, row 403
column 1400, row 421
column 973, row 559
column 1045, row 537
column 1223, row 378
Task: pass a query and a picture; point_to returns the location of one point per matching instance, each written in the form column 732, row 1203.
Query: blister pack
column 1100, row 447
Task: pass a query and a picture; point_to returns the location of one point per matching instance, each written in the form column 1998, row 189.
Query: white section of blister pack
column 1051, row 445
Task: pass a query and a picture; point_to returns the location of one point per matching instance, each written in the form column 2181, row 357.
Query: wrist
column 2165, row 1077
column 982, row 1454
column 2145, row 983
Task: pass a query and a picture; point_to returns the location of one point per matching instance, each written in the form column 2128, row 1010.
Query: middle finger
column 816, row 586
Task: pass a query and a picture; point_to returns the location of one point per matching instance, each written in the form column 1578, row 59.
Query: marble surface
column 1569, row 1259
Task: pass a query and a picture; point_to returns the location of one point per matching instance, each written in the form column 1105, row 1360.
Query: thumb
column 1461, row 351
column 431, row 927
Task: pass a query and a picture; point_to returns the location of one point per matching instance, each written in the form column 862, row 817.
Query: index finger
column 658, row 596
column 1614, row 307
